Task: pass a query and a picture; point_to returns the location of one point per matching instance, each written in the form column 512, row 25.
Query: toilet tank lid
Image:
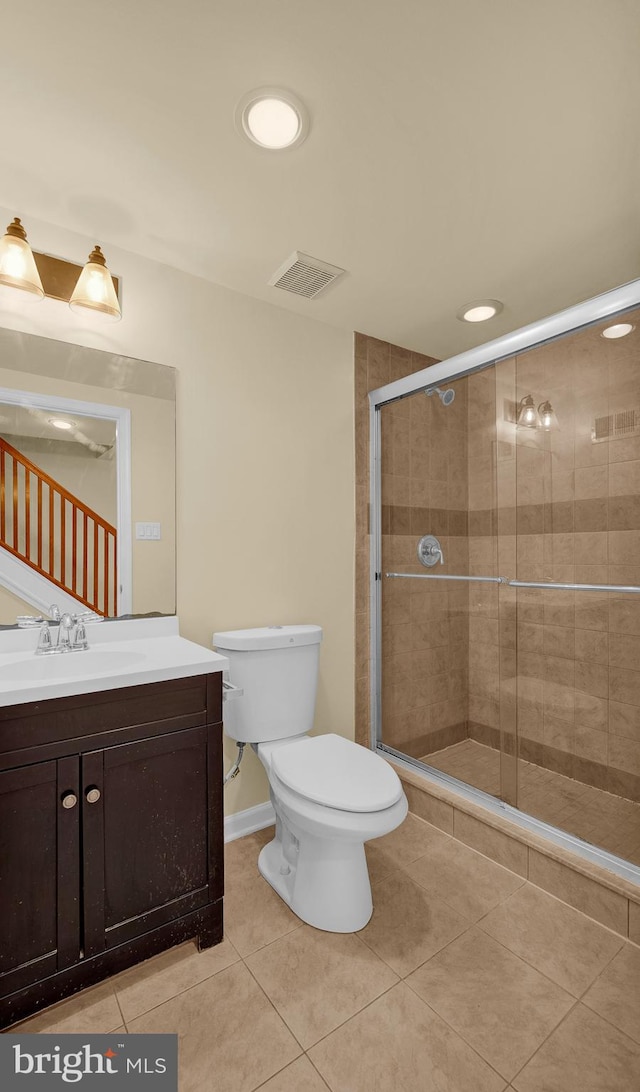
column 248, row 640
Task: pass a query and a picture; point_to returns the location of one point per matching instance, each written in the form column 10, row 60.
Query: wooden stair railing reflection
column 53, row 532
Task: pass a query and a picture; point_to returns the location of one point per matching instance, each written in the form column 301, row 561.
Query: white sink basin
column 124, row 653
column 71, row 665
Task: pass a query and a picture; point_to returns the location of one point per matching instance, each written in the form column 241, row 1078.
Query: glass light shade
column 527, row 413
column 17, row 265
column 95, row 290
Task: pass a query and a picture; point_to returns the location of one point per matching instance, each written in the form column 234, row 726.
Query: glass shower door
column 447, row 671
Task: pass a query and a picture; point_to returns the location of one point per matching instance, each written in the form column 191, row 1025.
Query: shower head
column 446, row 397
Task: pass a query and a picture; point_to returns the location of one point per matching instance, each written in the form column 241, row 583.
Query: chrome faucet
column 71, row 634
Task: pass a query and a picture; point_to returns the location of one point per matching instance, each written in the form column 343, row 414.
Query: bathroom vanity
column 111, row 826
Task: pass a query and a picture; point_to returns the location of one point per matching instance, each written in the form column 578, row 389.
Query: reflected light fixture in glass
column 546, row 414
column 95, row 290
column 17, row 264
column 527, row 413
column 619, row 329
column 479, row 310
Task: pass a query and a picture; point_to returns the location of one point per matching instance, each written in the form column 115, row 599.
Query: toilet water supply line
column 230, row 691
column 235, row 769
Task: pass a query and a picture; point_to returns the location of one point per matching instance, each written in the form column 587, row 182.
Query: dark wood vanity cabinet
column 111, row 834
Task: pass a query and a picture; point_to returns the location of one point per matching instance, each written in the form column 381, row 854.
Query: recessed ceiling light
column 479, row 310
column 272, row 118
column 57, row 422
column 621, row 329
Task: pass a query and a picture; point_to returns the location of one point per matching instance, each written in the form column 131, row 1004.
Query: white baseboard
column 245, row 822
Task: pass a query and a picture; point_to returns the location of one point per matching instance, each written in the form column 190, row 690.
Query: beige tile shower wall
column 424, row 490
column 575, row 506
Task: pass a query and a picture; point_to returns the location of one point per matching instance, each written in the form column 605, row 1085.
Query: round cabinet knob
column 93, row 795
column 69, row 800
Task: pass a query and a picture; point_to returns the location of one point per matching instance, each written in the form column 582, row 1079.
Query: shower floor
column 597, row 816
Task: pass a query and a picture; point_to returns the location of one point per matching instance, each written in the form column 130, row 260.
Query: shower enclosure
column 505, row 576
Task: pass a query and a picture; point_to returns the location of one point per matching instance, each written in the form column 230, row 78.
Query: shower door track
column 588, row 852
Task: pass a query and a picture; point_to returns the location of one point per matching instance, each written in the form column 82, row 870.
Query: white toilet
column 330, row 795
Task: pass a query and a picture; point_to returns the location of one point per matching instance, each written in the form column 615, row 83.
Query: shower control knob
column 430, row 551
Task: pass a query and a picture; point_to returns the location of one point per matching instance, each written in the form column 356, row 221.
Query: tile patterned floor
column 466, row 979
column 597, row 816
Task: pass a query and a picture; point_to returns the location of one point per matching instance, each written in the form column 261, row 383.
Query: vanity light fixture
column 95, row 290
column 91, row 287
column 479, row 310
column 272, row 118
column 17, row 264
column 619, row 329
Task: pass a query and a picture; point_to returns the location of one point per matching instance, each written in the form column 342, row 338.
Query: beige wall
column 265, row 480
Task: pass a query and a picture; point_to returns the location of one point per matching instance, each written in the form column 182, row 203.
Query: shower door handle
column 451, row 576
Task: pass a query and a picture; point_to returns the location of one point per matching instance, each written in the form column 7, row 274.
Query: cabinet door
column 39, row 872
column 146, row 837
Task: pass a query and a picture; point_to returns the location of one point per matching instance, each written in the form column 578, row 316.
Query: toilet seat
column 336, row 773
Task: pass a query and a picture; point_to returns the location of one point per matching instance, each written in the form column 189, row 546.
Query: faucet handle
column 80, row 636
column 64, row 633
column 430, row 551
column 44, row 640
column 54, row 612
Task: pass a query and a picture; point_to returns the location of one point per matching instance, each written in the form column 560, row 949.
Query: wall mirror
column 87, row 480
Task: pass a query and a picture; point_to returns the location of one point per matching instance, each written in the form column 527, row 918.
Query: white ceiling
column 459, row 149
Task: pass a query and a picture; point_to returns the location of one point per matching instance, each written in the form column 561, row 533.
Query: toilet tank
column 277, row 669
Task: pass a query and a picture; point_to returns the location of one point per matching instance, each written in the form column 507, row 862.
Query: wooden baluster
column 51, row 507
column 95, row 565
column 63, row 541
column 74, row 552
column 105, row 592
column 40, row 523
column 2, row 496
column 116, row 590
column 27, row 514
column 15, row 505
column 85, row 558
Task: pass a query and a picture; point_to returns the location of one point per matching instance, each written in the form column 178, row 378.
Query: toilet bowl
column 316, row 861
column 329, row 795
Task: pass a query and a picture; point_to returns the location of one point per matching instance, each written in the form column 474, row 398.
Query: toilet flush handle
column 230, row 691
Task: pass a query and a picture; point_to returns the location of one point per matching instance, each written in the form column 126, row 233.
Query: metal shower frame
column 582, row 315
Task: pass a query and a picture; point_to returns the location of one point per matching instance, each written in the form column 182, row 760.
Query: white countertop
column 121, row 653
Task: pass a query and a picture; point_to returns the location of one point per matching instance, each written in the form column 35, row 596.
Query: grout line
column 179, row 993
column 458, row 1033
column 355, row 1014
column 546, row 1039
column 275, row 1009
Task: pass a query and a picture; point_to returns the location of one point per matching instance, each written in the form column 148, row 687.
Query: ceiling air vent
column 304, row 275
column 616, row 425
